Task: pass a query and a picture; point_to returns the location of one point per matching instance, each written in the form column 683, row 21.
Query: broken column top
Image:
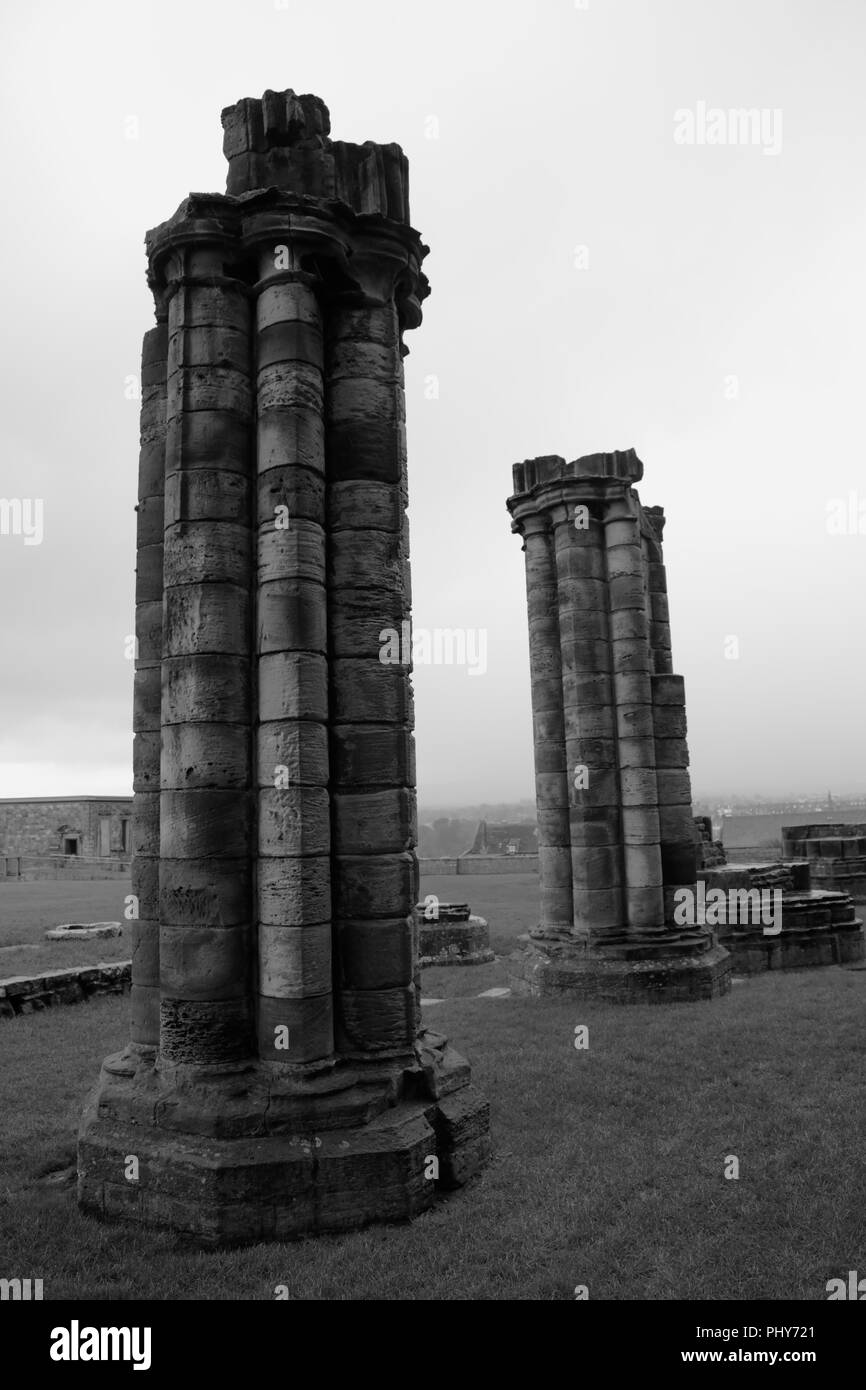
column 623, row 464
column 282, row 140
column 549, row 481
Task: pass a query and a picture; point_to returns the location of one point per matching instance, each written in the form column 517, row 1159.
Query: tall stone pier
column 616, row 838
column 278, row 1079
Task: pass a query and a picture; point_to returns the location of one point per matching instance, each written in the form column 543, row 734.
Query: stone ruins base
column 83, row 931
column 836, row 855
column 456, row 937
column 818, row 928
column 676, row 967
column 234, row 1155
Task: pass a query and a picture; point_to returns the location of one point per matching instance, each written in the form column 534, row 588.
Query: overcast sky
column 597, row 283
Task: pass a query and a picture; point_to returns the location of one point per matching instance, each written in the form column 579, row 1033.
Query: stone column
column 584, row 639
column 677, row 839
column 290, row 1086
column 551, row 764
column 624, row 748
column 144, row 1027
column 206, row 799
column 676, row 822
column 631, row 662
column 658, row 613
column 294, row 834
column 373, row 810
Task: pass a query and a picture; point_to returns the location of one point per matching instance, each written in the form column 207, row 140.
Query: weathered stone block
column 216, row 891
column 375, row 885
column 204, row 962
column 375, row 955
column 294, row 961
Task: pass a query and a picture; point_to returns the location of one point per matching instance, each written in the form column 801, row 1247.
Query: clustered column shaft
column 676, row 823
column 279, row 1080
column 144, row 1028
column 632, row 693
column 584, row 628
column 373, row 805
column 608, row 715
column 294, row 834
column 280, row 542
column 205, row 807
column 551, row 761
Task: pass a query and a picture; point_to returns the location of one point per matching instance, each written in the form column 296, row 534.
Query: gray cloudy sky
column 596, row 284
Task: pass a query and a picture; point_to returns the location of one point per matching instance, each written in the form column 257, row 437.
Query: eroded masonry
column 616, row 838
column 278, row 1079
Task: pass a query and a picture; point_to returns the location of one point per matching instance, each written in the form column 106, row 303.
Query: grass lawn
column 608, row 1167
column 27, row 910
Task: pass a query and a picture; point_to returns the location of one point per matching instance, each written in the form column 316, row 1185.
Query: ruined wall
column 836, row 855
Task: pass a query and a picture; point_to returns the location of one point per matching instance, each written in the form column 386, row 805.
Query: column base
column 669, row 968
column 460, row 942
column 231, row 1156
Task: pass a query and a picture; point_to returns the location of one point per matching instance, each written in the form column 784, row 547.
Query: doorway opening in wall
column 70, row 844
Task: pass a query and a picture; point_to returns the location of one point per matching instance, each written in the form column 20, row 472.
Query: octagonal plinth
column 231, row 1156
column 680, row 967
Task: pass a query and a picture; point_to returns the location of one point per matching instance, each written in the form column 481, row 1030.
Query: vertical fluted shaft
column 144, row 1027
column 584, row 634
column 551, row 765
column 658, row 615
column 677, row 833
column 677, row 837
column 294, row 838
column 615, row 742
column 631, row 663
column 206, row 799
column 373, row 816
column 275, row 762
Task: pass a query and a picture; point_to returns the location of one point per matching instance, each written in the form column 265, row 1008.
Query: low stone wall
column 26, row 994
column 751, row 854
column 528, row 863
column 482, row 864
column 789, row 875
column 841, row 876
column 818, row 928
column 30, row 867
column 836, row 855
